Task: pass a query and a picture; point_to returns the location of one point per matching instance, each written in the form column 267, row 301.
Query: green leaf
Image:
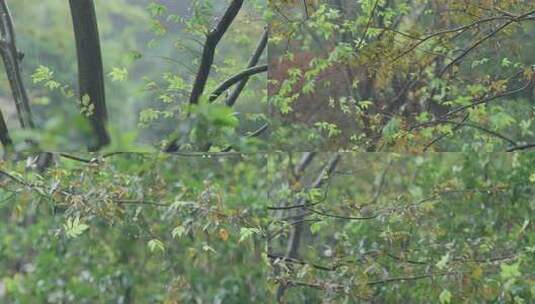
column 314, row 195
column 179, row 231
column 445, row 297
column 42, row 73
column 331, row 129
column 156, row 9
column 246, row 233
column 506, row 62
column 119, row 74
column 45, row 74
column 207, row 248
column 156, row 245
column 217, row 115
column 532, row 178
column 500, row 119
column 365, row 104
column 148, row 115
column 74, row 228
column 476, row 63
column 392, row 128
column 443, row 261
column 316, row 227
column 509, row 271
column 174, row 82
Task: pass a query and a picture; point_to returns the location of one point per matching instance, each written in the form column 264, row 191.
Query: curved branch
column 479, row 42
column 341, row 288
column 256, row 133
column 458, row 125
column 243, row 75
column 523, row 147
column 473, row 104
column 262, row 45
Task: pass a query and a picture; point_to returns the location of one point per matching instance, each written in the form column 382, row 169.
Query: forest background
column 270, row 198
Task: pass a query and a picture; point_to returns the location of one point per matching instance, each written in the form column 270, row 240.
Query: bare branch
column 243, row 75
column 262, row 45
column 522, row 147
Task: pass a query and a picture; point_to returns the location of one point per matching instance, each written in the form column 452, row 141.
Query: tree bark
column 296, row 234
column 90, row 67
column 5, row 139
column 11, row 57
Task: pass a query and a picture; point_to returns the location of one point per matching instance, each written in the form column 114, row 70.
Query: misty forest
column 267, row 151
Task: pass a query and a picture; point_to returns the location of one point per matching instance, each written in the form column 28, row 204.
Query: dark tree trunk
column 5, row 139
column 90, row 67
column 11, row 57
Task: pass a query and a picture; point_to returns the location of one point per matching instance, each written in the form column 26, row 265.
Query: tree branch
column 212, row 40
column 262, row 45
column 522, row 147
column 296, row 234
column 243, row 75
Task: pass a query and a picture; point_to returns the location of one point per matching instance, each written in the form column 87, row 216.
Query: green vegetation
column 386, row 228
column 151, row 52
column 343, row 228
column 134, row 228
column 403, row 76
column 251, row 151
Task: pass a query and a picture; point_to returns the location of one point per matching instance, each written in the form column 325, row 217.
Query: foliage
column 453, row 75
column 129, row 225
column 374, row 228
column 151, row 52
column 385, row 228
column 143, row 227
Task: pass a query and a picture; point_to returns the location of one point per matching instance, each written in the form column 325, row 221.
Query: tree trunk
column 5, row 139
column 11, row 57
column 90, row 67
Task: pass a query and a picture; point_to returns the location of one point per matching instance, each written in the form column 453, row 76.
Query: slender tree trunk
column 90, row 67
column 11, row 57
column 296, row 235
column 5, row 139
